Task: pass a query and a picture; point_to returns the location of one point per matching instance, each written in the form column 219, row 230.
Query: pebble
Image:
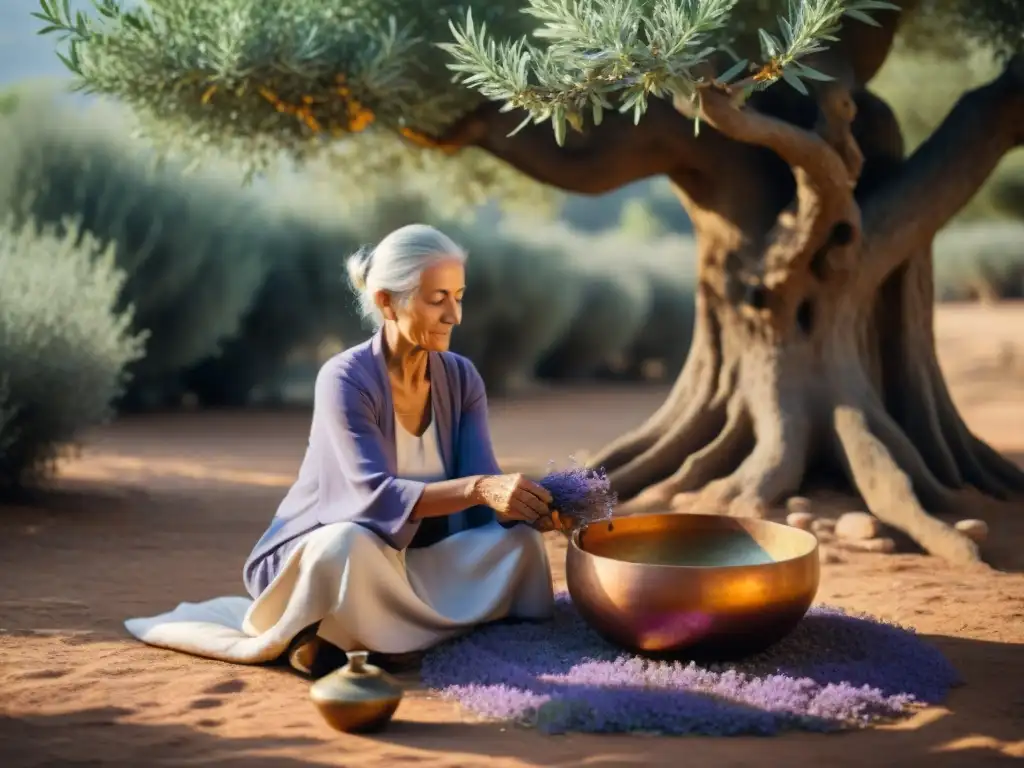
column 855, row 526
column 799, row 505
column 824, row 529
column 975, row 530
column 823, row 525
column 882, row 545
column 801, row 520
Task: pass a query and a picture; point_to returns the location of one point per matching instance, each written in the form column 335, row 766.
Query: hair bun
column 358, row 266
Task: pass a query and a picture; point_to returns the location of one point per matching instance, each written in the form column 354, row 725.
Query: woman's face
column 432, row 312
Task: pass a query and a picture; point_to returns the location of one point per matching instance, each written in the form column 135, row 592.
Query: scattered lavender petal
column 835, row 671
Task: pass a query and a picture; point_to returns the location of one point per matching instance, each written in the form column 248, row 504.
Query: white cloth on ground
column 368, row 596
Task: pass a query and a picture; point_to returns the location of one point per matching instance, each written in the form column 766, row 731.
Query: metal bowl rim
column 574, row 543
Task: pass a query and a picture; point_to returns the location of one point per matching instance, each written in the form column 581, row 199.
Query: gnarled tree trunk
column 854, row 387
column 813, row 351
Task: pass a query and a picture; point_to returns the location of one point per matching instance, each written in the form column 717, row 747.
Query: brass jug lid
column 356, row 682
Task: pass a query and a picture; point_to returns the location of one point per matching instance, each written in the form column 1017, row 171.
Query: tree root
column 695, row 429
column 742, row 450
column 626, row 448
column 715, row 459
column 917, row 396
column 781, row 418
column 701, row 366
column 983, row 467
column 903, row 451
column 921, row 407
column 921, row 418
column 774, row 417
column 1009, row 473
column 772, row 470
column 887, row 490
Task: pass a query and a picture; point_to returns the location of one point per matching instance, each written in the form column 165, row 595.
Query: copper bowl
column 703, row 586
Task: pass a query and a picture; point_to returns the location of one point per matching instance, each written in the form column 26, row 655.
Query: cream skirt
column 368, row 596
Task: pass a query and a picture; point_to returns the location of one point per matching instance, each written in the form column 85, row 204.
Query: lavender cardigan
column 348, row 472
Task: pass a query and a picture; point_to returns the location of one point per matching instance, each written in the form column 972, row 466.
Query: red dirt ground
column 164, row 509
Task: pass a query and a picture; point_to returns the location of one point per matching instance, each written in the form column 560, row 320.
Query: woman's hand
column 513, row 497
column 555, row 522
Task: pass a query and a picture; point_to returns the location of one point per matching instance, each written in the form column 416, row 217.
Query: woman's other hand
column 554, row 522
column 513, row 497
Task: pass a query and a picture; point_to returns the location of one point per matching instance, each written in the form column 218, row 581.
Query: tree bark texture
column 814, row 348
column 813, row 352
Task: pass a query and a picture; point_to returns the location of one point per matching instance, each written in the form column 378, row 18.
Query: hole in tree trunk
column 819, row 263
column 805, row 316
column 756, row 296
column 842, row 234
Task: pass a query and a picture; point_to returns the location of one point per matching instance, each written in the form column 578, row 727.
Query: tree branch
column 865, row 47
column 617, row 152
column 836, row 112
column 599, row 159
column 878, row 134
column 824, row 186
column 944, row 173
column 799, row 148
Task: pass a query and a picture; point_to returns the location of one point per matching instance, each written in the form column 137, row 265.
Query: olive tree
column 813, row 354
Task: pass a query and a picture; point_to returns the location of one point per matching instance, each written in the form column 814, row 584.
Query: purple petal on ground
column 834, row 671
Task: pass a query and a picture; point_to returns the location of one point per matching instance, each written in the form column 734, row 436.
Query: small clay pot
column 357, row 698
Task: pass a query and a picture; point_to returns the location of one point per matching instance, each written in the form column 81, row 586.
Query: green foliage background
column 236, row 293
column 63, row 344
column 233, row 285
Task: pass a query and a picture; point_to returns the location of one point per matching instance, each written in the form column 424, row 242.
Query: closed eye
column 440, row 301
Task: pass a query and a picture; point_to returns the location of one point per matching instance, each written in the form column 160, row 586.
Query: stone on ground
column 857, row 526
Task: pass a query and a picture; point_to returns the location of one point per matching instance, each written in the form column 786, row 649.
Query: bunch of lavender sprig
column 580, row 496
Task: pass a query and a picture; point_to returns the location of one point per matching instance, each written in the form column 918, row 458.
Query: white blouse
column 419, row 458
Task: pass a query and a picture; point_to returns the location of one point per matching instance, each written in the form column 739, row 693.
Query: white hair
column 396, row 264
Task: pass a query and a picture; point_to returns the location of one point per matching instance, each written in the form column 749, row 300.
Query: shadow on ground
column 109, row 736
column 101, row 737
column 75, row 690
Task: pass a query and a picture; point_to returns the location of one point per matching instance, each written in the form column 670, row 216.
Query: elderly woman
column 425, row 536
